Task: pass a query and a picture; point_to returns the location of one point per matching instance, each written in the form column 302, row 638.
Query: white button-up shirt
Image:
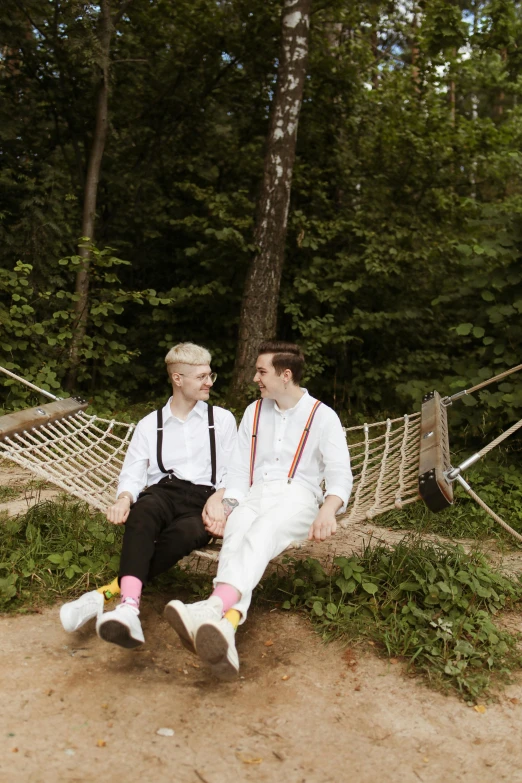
column 325, row 456
column 185, row 452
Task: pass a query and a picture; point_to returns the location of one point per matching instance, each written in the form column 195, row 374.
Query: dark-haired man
column 288, row 443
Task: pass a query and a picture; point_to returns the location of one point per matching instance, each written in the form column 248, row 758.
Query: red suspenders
column 302, row 443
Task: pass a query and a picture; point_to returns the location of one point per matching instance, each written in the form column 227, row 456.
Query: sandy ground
column 75, row 710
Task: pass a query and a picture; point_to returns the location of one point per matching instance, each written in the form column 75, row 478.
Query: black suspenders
column 211, row 434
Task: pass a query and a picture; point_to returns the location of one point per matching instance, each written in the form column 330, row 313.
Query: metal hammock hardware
column 394, row 462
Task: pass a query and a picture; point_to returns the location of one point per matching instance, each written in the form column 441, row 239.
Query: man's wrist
column 229, row 504
column 125, row 496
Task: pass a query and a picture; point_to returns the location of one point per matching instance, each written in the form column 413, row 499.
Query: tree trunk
column 91, row 192
column 258, row 319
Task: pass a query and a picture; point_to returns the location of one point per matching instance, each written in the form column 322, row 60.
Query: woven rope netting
column 385, row 463
column 83, row 455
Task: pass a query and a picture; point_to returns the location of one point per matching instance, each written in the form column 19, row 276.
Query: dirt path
column 75, row 710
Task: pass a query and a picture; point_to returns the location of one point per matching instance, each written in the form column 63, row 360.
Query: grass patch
column 499, row 485
column 55, row 549
column 9, row 493
column 432, row 606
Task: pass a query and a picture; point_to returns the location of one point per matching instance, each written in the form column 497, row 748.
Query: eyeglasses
column 201, row 378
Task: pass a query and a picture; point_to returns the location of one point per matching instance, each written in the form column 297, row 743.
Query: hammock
column 394, row 462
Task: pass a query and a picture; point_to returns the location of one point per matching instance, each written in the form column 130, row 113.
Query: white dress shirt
column 185, row 452
column 325, row 456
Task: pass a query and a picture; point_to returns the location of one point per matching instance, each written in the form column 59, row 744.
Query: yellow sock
column 109, row 590
column 233, row 617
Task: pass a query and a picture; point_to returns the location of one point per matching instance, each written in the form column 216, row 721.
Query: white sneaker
column 74, row 614
column 216, row 645
column 186, row 618
column 122, row 626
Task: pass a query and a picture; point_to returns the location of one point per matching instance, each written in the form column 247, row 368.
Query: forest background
column 402, row 268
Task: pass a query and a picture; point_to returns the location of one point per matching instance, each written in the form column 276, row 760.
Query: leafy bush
column 431, row 605
column 56, row 548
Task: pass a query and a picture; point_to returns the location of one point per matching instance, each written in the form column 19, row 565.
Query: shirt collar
column 199, row 409
column 299, row 404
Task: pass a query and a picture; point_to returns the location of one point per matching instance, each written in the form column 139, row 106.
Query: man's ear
column 287, row 376
column 176, row 379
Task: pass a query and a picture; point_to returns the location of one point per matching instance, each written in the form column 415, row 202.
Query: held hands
column 213, row 515
column 119, row 511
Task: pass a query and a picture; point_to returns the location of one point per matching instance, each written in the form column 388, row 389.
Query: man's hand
column 119, row 511
column 213, row 515
column 325, row 524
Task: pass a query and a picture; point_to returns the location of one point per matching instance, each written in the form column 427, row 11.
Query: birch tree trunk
column 258, row 319
column 91, row 190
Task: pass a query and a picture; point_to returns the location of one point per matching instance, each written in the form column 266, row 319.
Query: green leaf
column 410, row 587
column 464, row 329
column 318, row 608
column 369, row 587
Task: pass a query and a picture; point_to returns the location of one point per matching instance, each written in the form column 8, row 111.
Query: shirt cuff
column 340, row 492
column 130, row 490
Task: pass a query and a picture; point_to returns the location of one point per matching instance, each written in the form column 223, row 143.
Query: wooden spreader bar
column 434, row 457
column 13, row 423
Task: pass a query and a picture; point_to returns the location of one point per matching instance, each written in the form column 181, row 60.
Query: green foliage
column 403, row 250
column 55, row 549
column 432, row 606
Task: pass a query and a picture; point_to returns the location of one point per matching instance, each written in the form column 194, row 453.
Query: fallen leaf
column 101, row 743
column 165, row 732
column 285, row 677
column 269, row 643
column 479, row 708
column 195, row 665
column 246, row 760
column 14, row 750
column 372, row 644
column 357, row 688
column 394, row 660
column 425, row 759
column 105, row 706
column 185, row 671
column 50, row 692
column 514, row 700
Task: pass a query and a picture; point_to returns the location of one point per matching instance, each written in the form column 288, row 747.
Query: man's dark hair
column 287, row 356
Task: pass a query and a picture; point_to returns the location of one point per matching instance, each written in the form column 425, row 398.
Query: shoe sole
column 116, row 633
column 212, row 648
column 174, row 617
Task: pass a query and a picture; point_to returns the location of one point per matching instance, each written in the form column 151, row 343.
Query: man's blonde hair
column 186, row 353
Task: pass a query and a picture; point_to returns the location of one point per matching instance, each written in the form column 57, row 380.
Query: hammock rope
column 83, row 454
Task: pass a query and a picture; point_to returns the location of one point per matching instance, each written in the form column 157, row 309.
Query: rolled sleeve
column 336, row 458
column 133, row 476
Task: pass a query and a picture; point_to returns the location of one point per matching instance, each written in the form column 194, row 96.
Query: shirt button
column 277, row 459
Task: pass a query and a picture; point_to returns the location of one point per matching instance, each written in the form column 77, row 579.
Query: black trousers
column 163, row 526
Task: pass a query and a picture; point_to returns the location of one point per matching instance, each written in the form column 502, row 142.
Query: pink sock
column 228, row 594
column 131, row 588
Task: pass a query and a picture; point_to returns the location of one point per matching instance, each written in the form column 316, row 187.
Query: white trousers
column 273, row 514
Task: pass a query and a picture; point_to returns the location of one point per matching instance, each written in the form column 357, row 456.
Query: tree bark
column 91, row 191
column 258, row 318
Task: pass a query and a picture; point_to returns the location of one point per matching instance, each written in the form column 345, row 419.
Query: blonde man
column 175, row 462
